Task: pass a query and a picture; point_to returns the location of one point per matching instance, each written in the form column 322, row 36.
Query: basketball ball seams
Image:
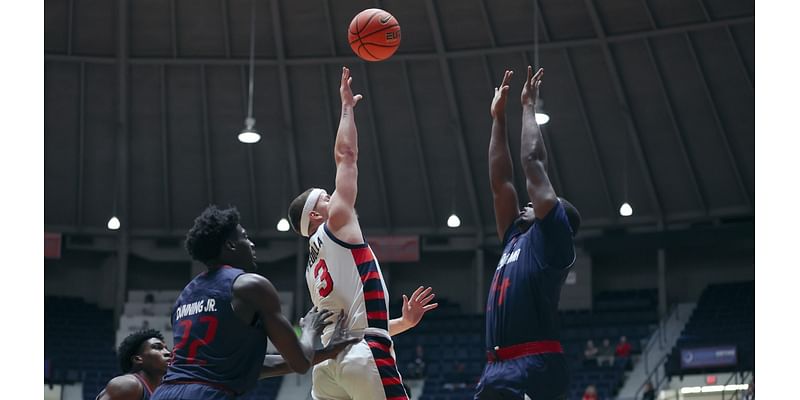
column 377, row 44
column 373, row 32
column 364, row 46
column 358, row 31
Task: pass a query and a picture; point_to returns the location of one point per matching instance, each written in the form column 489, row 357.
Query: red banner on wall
column 52, row 245
column 395, row 248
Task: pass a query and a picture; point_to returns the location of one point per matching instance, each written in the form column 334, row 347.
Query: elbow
column 346, row 155
column 532, row 158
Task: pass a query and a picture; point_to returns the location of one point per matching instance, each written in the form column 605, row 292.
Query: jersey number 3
column 325, row 276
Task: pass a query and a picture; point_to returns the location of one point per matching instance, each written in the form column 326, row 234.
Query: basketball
column 374, row 34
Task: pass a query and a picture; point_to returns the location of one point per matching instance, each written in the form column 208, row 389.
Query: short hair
column 573, row 215
column 211, row 229
column 296, row 210
column 130, row 347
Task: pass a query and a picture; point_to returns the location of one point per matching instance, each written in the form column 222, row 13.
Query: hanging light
column 625, row 210
column 249, row 134
column 453, row 221
column 283, row 225
column 541, row 116
column 113, row 223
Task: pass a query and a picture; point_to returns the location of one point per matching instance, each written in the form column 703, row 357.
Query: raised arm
column 533, row 152
column 257, row 292
column 342, row 216
column 501, row 172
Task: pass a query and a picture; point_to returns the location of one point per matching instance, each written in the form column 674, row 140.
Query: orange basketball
column 374, row 34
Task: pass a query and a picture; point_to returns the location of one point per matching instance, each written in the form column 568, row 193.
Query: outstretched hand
column 348, row 99
column 316, row 320
column 416, row 306
column 339, row 340
column 531, row 87
column 498, row 107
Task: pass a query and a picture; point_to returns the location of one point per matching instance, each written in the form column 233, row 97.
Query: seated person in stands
column 590, row 354
column 623, row 350
column 590, row 393
column 416, row 368
column 143, row 359
column 606, row 354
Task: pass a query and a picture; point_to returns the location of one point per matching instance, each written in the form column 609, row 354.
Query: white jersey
column 343, row 276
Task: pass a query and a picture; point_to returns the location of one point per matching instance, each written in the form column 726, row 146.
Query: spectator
column 416, row 368
column 590, row 393
column 623, row 352
column 649, row 392
column 606, row 354
column 590, row 354
column 623, row 348
column 149, row 298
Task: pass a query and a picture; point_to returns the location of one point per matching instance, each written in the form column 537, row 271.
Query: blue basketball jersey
column 523, row 299
column 212, row 345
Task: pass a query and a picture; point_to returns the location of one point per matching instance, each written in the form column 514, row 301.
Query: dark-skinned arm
column 501, row 172
column 533, row 152
column 259, row 293
column 275, row 365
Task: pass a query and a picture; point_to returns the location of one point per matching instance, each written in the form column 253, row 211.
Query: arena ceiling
column 144, row 100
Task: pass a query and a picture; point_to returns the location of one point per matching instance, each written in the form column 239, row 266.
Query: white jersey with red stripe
column 343, row 276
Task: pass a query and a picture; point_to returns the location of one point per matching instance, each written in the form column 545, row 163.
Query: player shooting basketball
column 524, row 353
column 343, row 274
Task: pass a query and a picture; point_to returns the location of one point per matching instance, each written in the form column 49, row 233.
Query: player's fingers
column 405, row 301
column 428, row 299
column 430, row 306
column 425, row 293
column 357, row 97
column 416, row 293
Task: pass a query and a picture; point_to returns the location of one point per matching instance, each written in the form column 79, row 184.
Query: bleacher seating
column 79, row 342
column 725, row 315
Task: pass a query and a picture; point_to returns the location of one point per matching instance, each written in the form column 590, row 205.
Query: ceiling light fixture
column 453, row 221
column 283, row 225
column 249, row 134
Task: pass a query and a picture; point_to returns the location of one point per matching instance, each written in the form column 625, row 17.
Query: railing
column 660, row 338
column 743, row 374
column 661, row 366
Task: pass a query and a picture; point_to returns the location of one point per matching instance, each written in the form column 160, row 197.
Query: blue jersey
column 523, row 299
column 212, row 345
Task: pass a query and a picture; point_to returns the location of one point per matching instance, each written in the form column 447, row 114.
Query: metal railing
column 739, row 374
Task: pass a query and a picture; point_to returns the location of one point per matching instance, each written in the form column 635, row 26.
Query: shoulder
column 124, row 387
column 250, row 286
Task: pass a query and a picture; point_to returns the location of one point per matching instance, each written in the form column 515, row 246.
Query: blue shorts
column 190, row 391
column 541, row 377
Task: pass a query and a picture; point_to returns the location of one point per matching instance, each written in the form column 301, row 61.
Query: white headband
column 311, row 201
